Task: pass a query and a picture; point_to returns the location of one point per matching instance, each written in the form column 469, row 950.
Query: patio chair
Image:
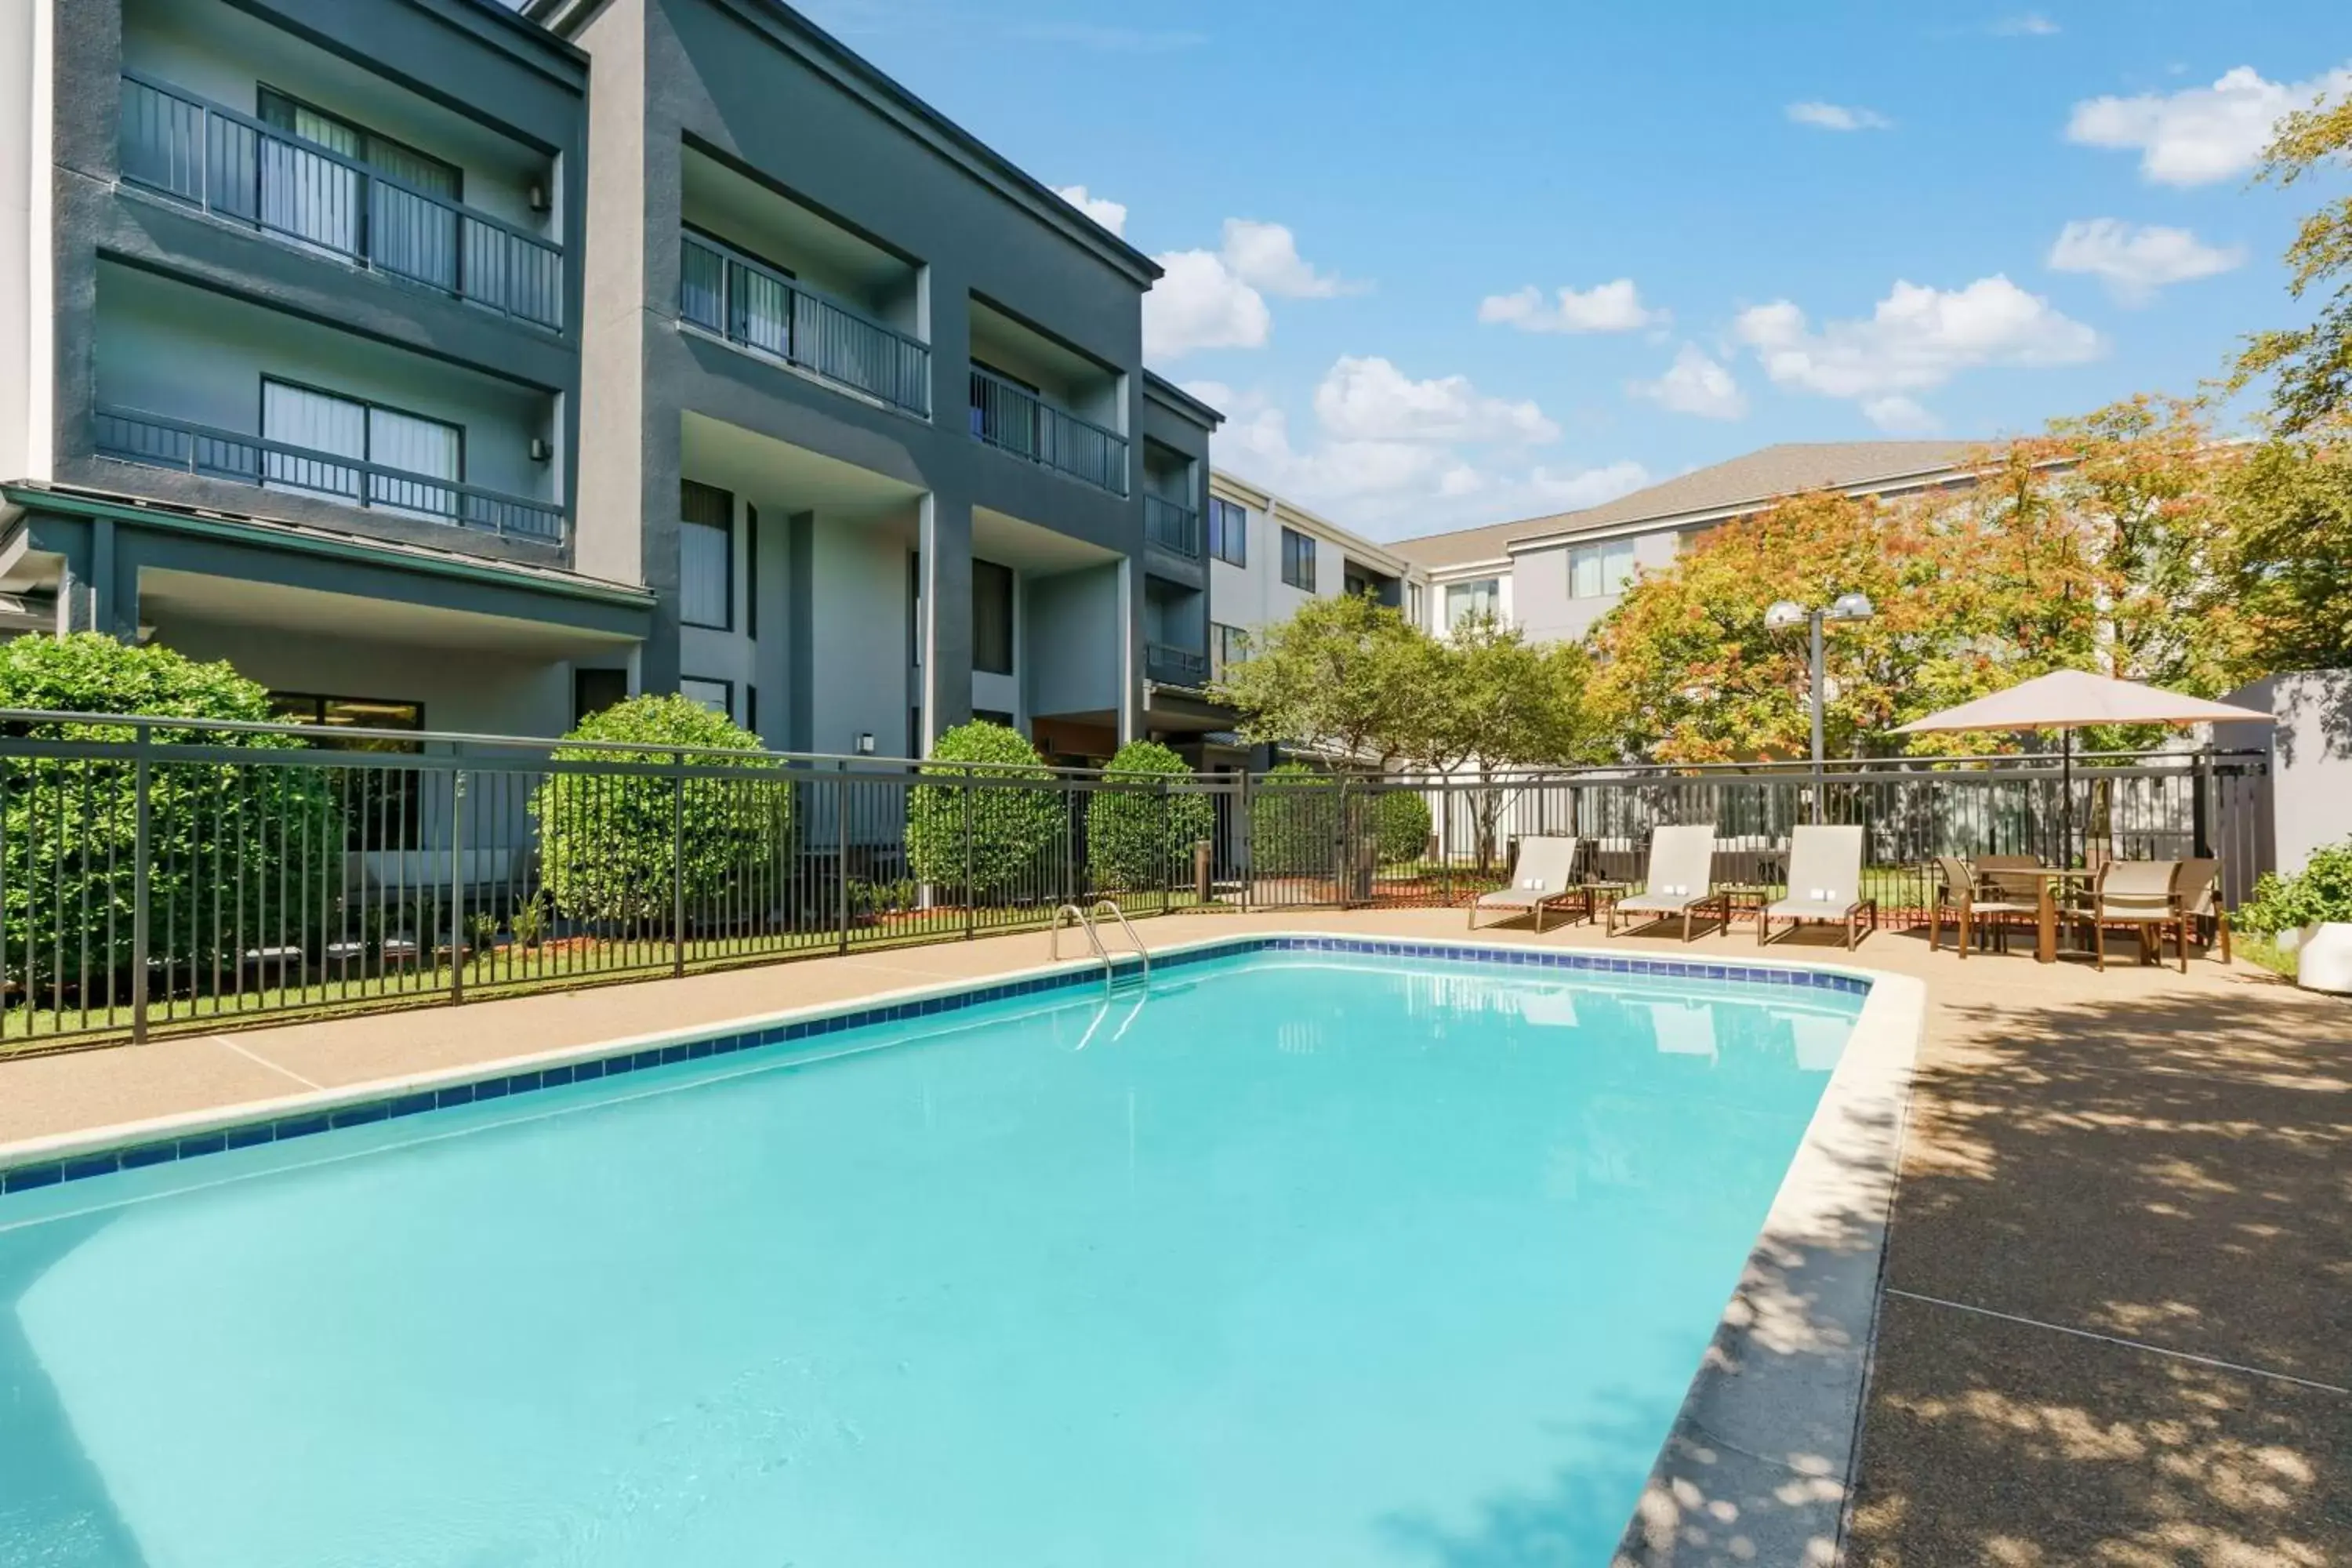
column 1543, row 876
column 2197, row 890
column 2137, row 893
column 1964, row 894
column 1825, row 884
column 1682, row 880
column 2026, row 890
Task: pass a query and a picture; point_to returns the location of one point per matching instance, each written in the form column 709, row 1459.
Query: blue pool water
column 1301, row 1258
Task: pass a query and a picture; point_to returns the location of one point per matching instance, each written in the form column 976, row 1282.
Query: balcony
column 762, row 311
column 132, row 437
column 1015, row 420
column 305, row 194
column 1172, row 527
column 1172, row 665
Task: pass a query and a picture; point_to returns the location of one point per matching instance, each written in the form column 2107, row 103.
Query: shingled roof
column 1751, row 480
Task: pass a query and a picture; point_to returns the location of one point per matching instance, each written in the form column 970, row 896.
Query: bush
column 1294, row 823
column 2321, row 891
column 71, row 824
column 1401, row 825
column 612, row 845
column 1141, row 842
column 996, row 840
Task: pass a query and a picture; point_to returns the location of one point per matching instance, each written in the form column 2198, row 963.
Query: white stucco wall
column 2310, row 751
column 26, row 378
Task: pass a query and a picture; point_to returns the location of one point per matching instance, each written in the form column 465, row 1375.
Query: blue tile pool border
column 410, row 1102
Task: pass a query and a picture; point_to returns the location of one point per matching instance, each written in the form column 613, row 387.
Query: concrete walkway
column 2118, row 1322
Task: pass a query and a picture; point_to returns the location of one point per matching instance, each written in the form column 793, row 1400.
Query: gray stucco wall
column 2310, row 753
column 1071, row 615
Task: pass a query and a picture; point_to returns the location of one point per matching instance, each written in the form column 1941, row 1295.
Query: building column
column 800, row 632
column 944, row 681
column 1131, row 653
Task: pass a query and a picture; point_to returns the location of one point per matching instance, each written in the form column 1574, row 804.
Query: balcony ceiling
column 778, row 476
column 1026, row 547
column 168, row 597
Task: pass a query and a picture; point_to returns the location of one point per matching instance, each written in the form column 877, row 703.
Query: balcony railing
column 1012, row 418
column 760, row 308
column 158, row 442
column 236, row 167
column 1173, row 527
column 1175, row 666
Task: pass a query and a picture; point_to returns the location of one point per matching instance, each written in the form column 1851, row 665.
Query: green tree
column 236, row 852
column 2287, row 562
column 1295, row 822
column 995, row 838
column 1140, row 839
column 1402, row 822
column 616, row 843
column 2310, row 367
column 1338, row 676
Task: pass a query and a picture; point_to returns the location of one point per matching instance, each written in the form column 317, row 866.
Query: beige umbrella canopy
column 2076, row 699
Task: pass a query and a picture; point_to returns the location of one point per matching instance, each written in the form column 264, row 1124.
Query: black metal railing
column 132, row 437
column 760, row 308
column 1172, row 527
column 1175, row 666
column 237, row 167
column 1014, row 419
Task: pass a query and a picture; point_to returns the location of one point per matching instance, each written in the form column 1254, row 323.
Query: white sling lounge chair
column 1543, row 876
column 1825, row 884
column 1682, row 878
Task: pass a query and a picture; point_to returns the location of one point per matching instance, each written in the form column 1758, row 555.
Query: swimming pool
column 1303, row 1254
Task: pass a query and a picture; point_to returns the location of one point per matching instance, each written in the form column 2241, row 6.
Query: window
column 751, row 574
column 1229, row 532
column 593, row 691
column 1596, row 571
column 1412, row 603
column 336, row 426
column 1483, row 598
column 996, row 716
column 718, row 696
column 706, row 557
column 1228, row 645
column 382, row 808
column 1297, row 560
column 432, row 175
column 311, row 198
column 991, row 617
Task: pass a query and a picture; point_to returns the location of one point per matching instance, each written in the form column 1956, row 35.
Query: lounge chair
column 1971, row 897
column 1544, row 875
column 2197, row 890
column 1825, row 884
column 1682, row 880
column 2137, row 893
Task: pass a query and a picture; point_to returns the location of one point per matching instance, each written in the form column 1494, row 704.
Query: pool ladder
column 1086, row 919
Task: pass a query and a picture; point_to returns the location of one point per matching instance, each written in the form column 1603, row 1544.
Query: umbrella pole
column 2066, row 796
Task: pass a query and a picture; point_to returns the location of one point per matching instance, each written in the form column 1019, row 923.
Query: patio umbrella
column 2070, row 699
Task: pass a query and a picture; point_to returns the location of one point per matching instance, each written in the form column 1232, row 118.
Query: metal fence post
column 1445, row 834
column 968, row 908
column 142, row 850
column 841, row 852
column 1248, row 866
column 457, row 885
column 677, row 872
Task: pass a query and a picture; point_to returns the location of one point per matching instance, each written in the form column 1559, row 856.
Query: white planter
column 2323, row 957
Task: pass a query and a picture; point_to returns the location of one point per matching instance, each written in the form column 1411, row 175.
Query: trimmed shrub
column 1401, row 824
column 1293, row 822
column 2321, row 891
column 1138, row 842
column 996, row 841
column 235, row 852
column 612, row 845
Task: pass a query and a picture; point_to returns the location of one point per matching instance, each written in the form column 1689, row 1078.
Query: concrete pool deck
column 2118, row 1318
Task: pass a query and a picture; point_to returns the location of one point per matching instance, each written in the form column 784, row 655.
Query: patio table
column 2048, row 879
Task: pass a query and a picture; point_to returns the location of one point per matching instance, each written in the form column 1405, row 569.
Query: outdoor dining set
column 1983, row 899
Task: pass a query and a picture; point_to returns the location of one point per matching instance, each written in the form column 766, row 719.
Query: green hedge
column 612, row 845
column 238, row 853
column 1293, row 822
column 1402, row 822
column 1142, row 842
column 1000, row 843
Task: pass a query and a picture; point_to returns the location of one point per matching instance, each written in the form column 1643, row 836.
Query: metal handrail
column 1094, row 939
column 1128, row 926
column 1172, row 526
column 1019, row 423
column 801, row 327
column 192, row 148
column 1188, row 664
column 155, row 440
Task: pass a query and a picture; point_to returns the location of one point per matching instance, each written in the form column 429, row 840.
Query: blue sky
column 1778, row 222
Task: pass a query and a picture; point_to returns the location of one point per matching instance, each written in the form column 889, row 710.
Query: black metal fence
column 158, row 874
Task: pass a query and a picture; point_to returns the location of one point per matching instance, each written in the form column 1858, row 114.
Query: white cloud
column 2200, row 134
column 1914, row 339
column 1265, row 257
column 2137, row 262
column 1615, row 307
column 1838, row 117
column 1899, row 415
column 1111, row 215
column 1369, row 399
column 1200, row 304
column 2030, row 25
column 1696, row 384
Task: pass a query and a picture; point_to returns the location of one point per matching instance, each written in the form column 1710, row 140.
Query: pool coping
column 1759, row 1462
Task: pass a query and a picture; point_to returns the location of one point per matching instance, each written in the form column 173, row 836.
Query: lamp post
column 1788, row 614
